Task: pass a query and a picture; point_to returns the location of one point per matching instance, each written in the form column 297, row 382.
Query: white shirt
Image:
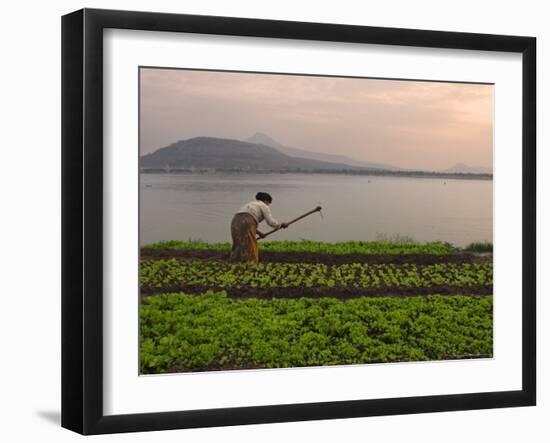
column 260, row 211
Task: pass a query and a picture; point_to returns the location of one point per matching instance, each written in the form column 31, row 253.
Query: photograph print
column 292, row 220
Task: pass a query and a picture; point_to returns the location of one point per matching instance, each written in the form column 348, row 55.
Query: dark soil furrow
column 336, row 292
column 316, row 257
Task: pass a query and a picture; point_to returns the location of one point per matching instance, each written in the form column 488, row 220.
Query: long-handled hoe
column 317, row 209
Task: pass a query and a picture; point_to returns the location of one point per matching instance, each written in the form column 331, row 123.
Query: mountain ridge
column 264, row 139
column 224, row 154
column 462, row 168
column 230, row 154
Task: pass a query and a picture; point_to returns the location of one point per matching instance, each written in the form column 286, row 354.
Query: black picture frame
column 82, row 218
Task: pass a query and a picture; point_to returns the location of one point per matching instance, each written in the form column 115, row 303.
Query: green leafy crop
column 181, row 332
column 204, row 329
column 159, row 274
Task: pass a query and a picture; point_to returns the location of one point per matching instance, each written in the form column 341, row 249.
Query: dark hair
column 264, row 196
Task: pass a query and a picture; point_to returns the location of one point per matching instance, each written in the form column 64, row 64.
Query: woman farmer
column 244, row 227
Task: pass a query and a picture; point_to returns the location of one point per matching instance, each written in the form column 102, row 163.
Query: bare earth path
column 315, row 257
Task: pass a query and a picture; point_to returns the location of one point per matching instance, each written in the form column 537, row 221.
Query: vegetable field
column 312, row 304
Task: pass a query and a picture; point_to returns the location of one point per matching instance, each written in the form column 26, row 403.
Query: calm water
column 200, row 206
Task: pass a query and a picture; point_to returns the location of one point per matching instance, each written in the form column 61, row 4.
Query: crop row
column 349, row 247
column 180, row 332
column 159, row 274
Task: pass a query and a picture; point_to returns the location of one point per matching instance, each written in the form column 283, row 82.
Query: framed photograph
column 269, row 221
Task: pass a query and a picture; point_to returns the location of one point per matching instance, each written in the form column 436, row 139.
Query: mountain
column 210, row 153
column 461, row 168
column 229, row 154
column 263, row 139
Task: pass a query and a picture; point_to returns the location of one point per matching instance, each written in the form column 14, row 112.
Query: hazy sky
column 424, row 125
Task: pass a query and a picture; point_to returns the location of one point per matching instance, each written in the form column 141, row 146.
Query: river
column 200, row 206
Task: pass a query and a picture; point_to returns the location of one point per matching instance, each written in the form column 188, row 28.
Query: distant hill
column 461, row 168
column 263, row 139
column 207, row 154
column 229, row 154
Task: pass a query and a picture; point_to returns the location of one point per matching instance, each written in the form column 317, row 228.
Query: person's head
column 264, row 197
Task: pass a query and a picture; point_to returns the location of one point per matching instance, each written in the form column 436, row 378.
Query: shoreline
column 369, row 173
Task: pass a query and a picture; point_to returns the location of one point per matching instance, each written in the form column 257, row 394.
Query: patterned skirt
column 243, row 233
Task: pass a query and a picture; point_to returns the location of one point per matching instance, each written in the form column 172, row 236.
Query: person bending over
column 244, row 227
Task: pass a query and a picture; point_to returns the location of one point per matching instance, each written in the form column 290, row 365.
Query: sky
column 409, row 124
